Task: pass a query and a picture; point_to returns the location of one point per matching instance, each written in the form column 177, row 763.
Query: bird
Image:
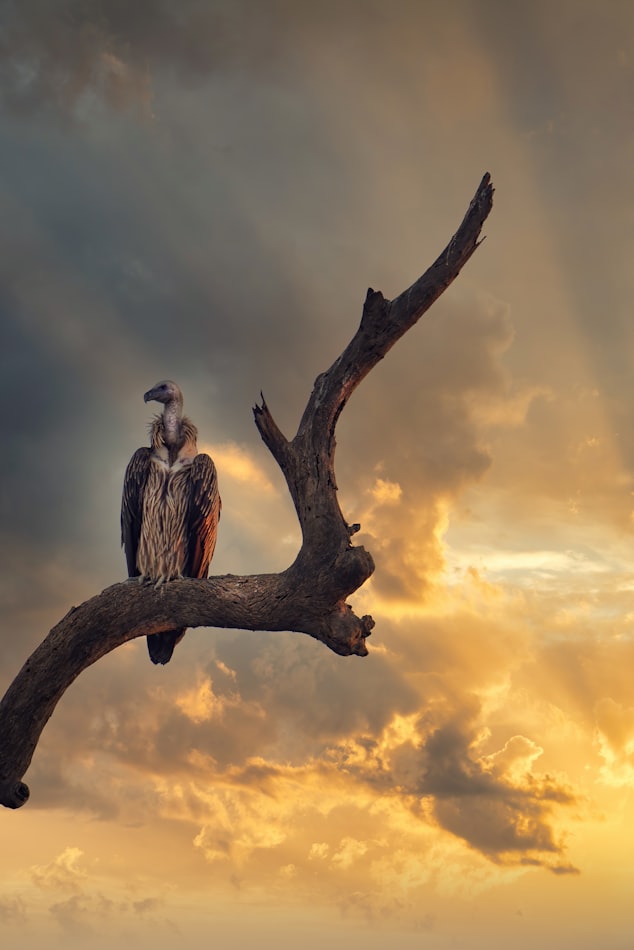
column 170, row 507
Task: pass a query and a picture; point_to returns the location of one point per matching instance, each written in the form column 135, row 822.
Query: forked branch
column 308, row 597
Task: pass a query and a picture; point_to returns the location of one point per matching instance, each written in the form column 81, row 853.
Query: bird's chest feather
column 168, row 484
column 163, row 542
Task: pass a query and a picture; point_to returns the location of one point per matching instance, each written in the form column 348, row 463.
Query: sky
column 204, row 191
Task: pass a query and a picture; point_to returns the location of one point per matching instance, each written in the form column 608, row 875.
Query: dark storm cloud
column 505, row 814
column 57, row 57
column 97, row 306
column 180, row 246
column 504, row 819
column 53, row 55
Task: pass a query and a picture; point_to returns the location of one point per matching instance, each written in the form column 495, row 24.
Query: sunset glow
column 204, row 191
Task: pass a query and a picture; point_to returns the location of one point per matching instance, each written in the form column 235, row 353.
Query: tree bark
column 308, row 597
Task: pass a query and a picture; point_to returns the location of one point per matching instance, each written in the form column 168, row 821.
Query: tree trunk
column 308, row 597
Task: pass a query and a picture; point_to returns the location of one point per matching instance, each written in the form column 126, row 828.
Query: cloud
column 264, row 732
column 63, row 873
column 200, row 703
column 273, row 737
column 79, row 56
column 615, row 740
column 147, row 905
column 73, row 916
column 204, row 191
column 497, row 803
column 433, row 414
column 237, row 463
column 503, row 813
column 237, row 824
column 62, row 59
column 254, row 497
column 79, row 906
column 13, row 910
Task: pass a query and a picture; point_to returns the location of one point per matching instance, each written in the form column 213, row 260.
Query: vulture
column 170, row 507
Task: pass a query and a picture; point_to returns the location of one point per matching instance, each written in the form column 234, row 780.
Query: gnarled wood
column 309, row 597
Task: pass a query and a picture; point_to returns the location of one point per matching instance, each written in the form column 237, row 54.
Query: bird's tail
column 161, row 645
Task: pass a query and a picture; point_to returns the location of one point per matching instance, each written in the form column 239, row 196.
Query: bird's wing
column 132, row 505
column 204, row 514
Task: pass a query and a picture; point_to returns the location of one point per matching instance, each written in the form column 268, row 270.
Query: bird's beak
column 148, row 396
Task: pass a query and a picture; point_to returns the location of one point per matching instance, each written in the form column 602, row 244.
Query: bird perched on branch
column 170, row 507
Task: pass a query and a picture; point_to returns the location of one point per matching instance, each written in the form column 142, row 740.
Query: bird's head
column 166, row 391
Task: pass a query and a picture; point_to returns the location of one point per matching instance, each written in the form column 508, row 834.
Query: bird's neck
column 172, row 428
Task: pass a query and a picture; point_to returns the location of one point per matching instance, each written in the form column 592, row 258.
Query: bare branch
column 309, row 597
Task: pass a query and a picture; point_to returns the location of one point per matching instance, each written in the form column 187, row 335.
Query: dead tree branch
column 309, row 597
